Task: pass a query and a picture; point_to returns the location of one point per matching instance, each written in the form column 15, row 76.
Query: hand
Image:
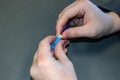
column 47, row 67
column 96, row 23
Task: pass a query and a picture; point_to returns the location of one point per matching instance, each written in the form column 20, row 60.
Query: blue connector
column 66, row 27
column 59, row 37
column 55, row 42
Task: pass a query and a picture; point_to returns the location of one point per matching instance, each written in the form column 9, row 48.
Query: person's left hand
column 48, row 67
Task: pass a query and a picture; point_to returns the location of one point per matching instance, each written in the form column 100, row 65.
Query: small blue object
column 66, row 27
column 59, row 37
column 55, row 42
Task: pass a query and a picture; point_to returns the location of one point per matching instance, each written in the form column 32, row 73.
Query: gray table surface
column 23, row 23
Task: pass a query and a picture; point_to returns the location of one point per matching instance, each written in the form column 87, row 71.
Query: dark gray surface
column 113, row 5
column 23, row 23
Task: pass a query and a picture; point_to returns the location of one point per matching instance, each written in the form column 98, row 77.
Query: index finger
column 67, row 14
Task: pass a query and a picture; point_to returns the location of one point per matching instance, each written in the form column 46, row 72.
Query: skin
column 95, row 23
column 48, row 65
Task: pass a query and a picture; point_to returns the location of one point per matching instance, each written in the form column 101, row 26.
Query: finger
column 60, row 52
column 65, row 16
column 81, row 31
column 71, row 5
column 65, row 50
column 65, row 45
column 44, row 47
column 76, row 22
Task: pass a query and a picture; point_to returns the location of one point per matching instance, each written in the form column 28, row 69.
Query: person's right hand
column 96, row 23
column 48, row 67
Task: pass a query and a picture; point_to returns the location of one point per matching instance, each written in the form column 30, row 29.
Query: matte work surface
column 23, row 23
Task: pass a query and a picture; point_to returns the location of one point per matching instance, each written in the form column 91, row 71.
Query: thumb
column 60, row 52
column 81, row 31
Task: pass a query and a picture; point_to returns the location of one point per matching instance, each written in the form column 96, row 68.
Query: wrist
column 116, row 23
column 116, row 19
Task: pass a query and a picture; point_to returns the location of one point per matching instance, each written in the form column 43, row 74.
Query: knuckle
column 41, row 61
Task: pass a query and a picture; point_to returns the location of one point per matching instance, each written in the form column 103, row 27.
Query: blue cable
column 59, row 37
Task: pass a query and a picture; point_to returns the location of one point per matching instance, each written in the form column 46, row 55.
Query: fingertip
column 66, row 35
column 61, row 23
column 58, row 29
column 75, row 32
